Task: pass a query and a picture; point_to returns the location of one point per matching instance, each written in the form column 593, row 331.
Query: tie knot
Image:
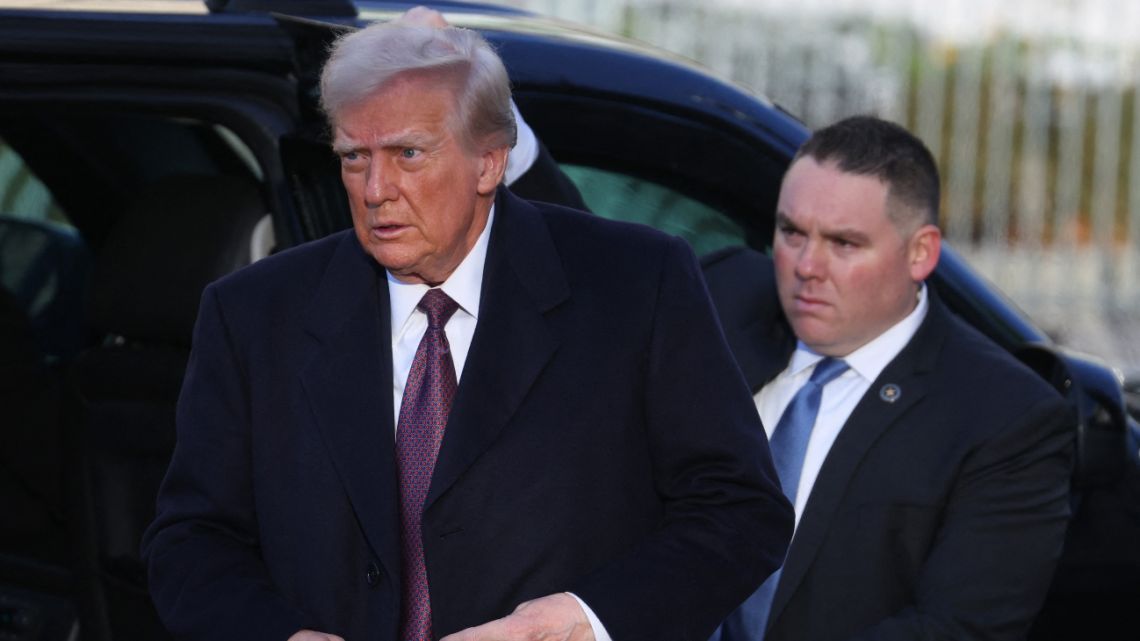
column 438, row 306
column 828, row 370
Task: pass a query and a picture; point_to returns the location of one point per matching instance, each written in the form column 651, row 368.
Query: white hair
column 362, row 62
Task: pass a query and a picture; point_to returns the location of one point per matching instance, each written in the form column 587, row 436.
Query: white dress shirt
column 840, row 396
column 409, row 323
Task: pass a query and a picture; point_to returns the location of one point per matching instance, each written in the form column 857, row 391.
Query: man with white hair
column 471, row 416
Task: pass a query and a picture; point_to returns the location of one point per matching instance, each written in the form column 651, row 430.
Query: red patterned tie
column 423, row 417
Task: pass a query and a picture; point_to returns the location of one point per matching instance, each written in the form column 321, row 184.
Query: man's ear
column 492, row 168
column 922, row 254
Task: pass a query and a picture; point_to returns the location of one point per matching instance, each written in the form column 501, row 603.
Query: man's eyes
column 352, row 161
column 354, row 158
column 793, row 234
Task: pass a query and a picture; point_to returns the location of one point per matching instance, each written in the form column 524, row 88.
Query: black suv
column 147, row 148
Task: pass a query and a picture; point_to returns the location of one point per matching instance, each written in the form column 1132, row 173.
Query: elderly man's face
column 844, row 271
column 419, row 196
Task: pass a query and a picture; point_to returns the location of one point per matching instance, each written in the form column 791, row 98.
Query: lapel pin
column 890, row 392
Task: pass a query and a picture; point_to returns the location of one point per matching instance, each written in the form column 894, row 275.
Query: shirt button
column 372, row 574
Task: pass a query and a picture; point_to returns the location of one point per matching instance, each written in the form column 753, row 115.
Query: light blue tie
column 790, row 438
column 788, row 445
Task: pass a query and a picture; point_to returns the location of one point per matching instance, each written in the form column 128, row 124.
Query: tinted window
column 680, row 174
column 623, row 197
column 23, row 195
column 43, row 260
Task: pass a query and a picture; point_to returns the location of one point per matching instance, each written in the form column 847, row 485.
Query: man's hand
column 424, row 17
column 309, row 635
column 557, row 617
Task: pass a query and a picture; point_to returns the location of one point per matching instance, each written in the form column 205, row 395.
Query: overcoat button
column 372, row 574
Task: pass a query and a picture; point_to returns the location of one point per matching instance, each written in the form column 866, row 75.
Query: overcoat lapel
column 909, row 373
column 522, row 282
column 764, row 352
column 349, row 387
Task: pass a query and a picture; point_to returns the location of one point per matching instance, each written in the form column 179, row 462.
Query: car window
column 43, row 260
column 23, row 195
column 621, row 196
column 674, row 171
column 69, row 179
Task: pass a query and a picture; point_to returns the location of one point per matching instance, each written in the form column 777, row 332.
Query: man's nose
column 811, row 261
column 380, row 186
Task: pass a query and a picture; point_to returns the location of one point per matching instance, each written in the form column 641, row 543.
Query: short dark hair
column 870, row 146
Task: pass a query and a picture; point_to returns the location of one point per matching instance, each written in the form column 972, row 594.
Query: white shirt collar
column 871, row 359
column 464, row 286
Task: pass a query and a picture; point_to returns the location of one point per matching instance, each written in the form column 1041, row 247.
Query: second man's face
column 419, row 196
column 844, row 272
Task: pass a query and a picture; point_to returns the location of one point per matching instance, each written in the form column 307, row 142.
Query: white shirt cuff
column 600, row 633
column 525, row 152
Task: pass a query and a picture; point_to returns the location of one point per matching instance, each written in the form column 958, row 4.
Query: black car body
column 147, row 143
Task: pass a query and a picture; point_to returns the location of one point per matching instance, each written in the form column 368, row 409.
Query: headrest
column 180, row 233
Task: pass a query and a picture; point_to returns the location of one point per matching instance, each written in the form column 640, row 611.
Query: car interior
column 105, row 283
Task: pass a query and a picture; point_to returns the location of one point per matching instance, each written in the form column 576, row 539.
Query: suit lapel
column 349, row 387
column 522, row 281
column 754, row 325
column 764, row 352
column 875, row 414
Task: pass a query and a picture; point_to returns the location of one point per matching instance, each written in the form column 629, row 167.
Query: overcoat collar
column 349, row 380
column 522, row 281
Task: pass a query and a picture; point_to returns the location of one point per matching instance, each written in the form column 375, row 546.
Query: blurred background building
column 1030, row 107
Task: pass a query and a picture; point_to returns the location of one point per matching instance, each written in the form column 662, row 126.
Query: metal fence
column 1030, row 107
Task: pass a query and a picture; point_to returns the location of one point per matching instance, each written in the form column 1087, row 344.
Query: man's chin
column 814, row 333
column 409, row 276
column 399, row 267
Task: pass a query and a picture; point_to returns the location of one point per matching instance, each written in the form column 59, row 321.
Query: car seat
column 43, row 274
column 180, row 233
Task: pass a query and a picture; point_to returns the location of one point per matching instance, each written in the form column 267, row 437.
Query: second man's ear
column 923, row 252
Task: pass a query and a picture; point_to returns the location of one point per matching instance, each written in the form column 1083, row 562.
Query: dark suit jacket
column 938, row 515
column 545, row 181
column 601, row 442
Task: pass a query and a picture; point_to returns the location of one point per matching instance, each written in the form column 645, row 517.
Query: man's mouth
column 808, row 303
column 387, row 231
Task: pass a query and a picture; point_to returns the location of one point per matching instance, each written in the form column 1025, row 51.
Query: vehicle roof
column 537, row 49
